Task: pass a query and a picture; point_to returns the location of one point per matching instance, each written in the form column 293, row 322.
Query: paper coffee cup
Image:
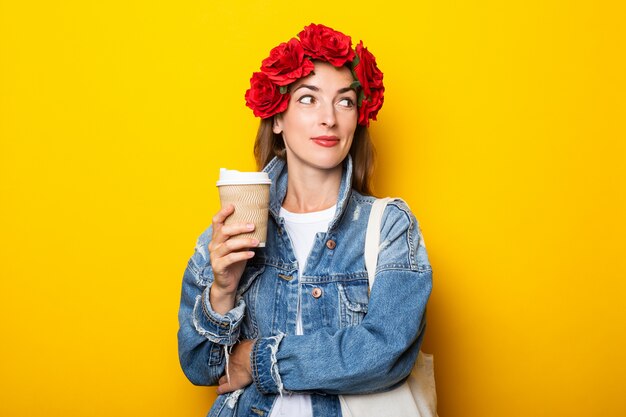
column 249, row 192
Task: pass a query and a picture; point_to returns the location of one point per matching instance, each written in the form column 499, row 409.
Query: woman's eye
column 346, row 102
column 306, row 100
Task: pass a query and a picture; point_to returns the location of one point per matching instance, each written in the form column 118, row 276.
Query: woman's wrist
column 221, row 301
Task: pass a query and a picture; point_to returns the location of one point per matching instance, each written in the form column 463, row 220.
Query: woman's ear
column 277, row 125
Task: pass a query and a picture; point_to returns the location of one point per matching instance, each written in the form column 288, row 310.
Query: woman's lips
column 326, row 141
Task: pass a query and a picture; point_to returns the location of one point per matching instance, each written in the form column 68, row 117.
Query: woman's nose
column 327, row 116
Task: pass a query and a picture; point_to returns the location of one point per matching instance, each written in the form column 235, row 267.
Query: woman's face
column 319, row 124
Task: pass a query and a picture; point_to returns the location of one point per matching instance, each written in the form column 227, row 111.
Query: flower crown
column 268, row 94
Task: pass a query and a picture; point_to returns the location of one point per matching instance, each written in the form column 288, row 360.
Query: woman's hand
column 228, row 258
column 238, row 368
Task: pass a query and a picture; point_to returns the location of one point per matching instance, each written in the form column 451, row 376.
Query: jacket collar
column 277, row 171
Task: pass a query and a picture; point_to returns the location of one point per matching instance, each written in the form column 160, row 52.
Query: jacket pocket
column 352, row 304
column 250, row 274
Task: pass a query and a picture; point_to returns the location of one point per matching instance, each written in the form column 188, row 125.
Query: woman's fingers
column 222, row 232
column 232, row 245
column 232, row 251
column 218, row 222
column 229, row 250
column 224, row 389
column 223, row 241
column 237, row 229
column 220, row 265
column 239, row 368
column 221, row 215
column 225, row 386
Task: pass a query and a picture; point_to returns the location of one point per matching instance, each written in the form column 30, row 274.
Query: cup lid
column 234, row 177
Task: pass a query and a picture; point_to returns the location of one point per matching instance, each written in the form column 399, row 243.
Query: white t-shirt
column 302, row 228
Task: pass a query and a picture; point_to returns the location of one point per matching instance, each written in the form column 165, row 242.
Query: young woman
column 283, row 330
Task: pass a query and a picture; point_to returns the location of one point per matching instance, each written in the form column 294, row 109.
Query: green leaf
column 355, row 84
column 355, row 61
column 283, row 89
column 361, row 98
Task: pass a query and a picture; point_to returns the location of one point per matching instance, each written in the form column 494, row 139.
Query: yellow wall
column 503, row 128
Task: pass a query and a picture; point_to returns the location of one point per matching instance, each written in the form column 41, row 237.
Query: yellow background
column 503, row 127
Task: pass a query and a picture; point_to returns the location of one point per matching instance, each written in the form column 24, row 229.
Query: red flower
column 371, row 79
column 370, row 106
column 287, row 63
column 367, row 71
column 293, row 60
column 322, row 42
column 264, row 97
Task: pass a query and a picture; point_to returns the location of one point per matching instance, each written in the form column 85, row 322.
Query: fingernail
column 255, row 242
column 250, row 226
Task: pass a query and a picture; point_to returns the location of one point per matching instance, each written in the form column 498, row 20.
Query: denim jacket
column 353, row 342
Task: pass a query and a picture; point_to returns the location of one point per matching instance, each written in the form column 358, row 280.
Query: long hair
column 268, row 145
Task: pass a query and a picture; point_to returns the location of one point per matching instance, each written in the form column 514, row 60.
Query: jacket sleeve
column 204, row 336
column 375, row 355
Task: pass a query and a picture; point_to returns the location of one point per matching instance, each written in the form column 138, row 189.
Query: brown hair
column 268, row 145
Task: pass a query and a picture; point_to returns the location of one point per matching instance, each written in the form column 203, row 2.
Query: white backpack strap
column 372, row 237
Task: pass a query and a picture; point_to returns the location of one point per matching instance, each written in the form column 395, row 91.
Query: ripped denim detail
column 225, row 332
column 227, row 350
column 274, row 362
column 233, row 397
column 203, row 332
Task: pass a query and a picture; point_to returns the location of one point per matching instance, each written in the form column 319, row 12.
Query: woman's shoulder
column 398, row 218
column 400, row 235
column 396, row 209
column 402, row 227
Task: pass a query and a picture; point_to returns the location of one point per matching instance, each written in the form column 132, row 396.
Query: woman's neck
column 310, row 190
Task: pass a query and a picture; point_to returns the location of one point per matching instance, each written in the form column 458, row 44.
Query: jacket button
column 330, row 244
column 316, row 293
